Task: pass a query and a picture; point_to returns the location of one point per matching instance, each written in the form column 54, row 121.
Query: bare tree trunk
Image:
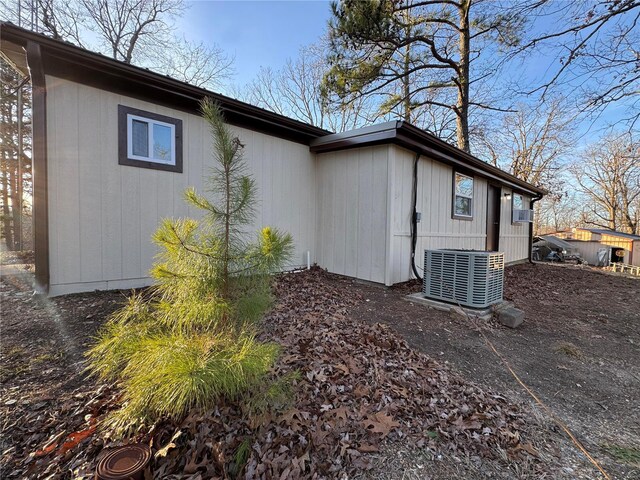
column 406, row 87
column 15, row 210
column 462, row 106
column 7, row 229
column 17, row 203
column 7, row 183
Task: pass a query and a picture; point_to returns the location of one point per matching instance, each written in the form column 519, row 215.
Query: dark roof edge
column 613, row 233
column 413, row 138
column 83, row 66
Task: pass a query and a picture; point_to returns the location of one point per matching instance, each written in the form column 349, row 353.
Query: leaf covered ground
column 356, row 395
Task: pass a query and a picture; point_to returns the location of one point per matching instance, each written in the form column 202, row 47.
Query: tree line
column 15, row 159
column 451, row 67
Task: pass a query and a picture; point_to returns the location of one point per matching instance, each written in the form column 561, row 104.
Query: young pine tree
column 191, row 339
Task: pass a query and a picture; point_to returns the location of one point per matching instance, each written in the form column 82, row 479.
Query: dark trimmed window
column 462, row 208
column 149, row 140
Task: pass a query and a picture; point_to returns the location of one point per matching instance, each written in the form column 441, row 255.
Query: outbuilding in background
column 621, row 247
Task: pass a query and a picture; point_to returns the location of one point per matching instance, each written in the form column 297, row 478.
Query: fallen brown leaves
column 357, row 386
column 55, row 438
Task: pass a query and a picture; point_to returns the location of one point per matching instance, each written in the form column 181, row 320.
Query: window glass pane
column 463, row 206
column 464, row 185
column 518, row 204
column 162, row 142
column 140, row 138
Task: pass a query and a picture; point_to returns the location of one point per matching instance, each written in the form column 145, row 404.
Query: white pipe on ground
column 308, row 260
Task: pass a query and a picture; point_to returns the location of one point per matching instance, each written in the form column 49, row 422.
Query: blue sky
column 258, row 34
column 267, row 33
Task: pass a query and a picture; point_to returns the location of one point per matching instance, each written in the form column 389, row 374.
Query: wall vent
column 522, row 216
column 470, row 277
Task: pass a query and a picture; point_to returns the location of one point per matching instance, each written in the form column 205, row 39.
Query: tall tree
column 127, row 27
column 295, row 91
column 196, row 63
column 593, row 49
column 133, row 31
column 15, row 156
column 557, row 212
column 418, row 47
column 608, row 175
column 531, row 143
column 62, row 21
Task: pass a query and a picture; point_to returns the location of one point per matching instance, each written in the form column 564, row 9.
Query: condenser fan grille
column 471, row 278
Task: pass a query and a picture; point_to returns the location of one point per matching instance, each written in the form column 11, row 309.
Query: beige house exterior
column 347, row 199
column 365, row 191
column 102, row 214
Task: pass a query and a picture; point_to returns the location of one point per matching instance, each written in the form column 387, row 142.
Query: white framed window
column 517, row 202
column 462, row 196
column 149, row 140
column 519, row 213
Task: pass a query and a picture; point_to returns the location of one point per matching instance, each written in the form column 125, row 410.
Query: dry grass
column 570, row 350
column 628, row 455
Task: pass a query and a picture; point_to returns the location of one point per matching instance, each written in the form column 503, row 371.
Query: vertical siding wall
column 434, row 201
column 619, row 243
column 352, row 212
column 102, row 215
column 437, row 229
column 514, row 237
column 588, row 250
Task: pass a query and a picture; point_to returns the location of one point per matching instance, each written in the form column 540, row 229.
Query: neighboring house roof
column 614, row 233
column 415, row 139
column 559, row 242
column 64, row 60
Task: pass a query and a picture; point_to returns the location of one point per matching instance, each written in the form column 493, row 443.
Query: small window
column 149, row 140
column 518, row 202
column 519, row 214
column 462, row 196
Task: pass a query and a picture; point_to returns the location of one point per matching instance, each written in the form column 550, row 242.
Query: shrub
column 190, row 339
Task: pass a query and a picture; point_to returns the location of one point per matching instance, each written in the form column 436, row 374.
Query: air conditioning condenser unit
column 522, row 216
column 472, row 278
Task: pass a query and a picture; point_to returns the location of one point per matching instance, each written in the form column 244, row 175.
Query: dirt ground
column 578, row 350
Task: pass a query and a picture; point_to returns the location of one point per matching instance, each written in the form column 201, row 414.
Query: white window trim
column 521, row 201
column 456, row 194
column 514, row 209
column 150, row 122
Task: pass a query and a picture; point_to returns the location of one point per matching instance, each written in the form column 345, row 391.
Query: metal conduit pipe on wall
column 414, row 218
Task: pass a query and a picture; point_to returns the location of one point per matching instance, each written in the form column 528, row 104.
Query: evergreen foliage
column 420, row 58
column 191, row 339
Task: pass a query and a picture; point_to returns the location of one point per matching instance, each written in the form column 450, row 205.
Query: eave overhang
column 67, row 61
column 412, row 138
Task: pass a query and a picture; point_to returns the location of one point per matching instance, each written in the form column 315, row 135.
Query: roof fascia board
column 24, row 73
column 77, row 64
column 447, row 152
column 344, row 141
column 187, row 101
column 359, row 133
column 449, row 160
column 412, row 138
